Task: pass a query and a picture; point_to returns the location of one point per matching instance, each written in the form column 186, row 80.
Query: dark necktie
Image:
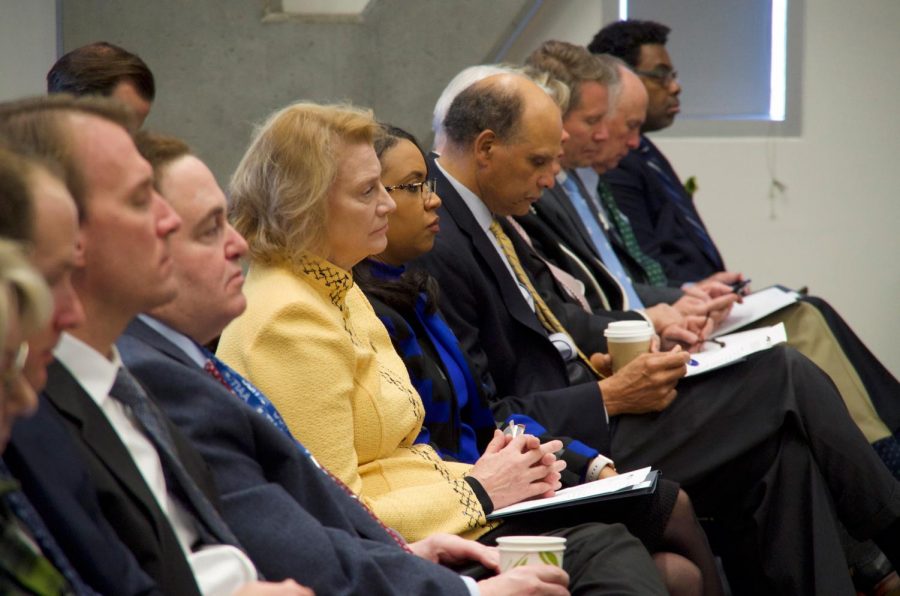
column 679, row 197
column 47, row 571
column 247, row 392
column 652, row 269
column 210, row 525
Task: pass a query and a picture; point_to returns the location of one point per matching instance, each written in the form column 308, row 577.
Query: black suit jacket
column 659, row 225
column 292, row 519
column 561, row 237
column 48, row 463
column 124, row 496
column 499, row 331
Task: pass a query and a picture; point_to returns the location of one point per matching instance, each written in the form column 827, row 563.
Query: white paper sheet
column 737, row 346
column 581, row 492
column 754, row 307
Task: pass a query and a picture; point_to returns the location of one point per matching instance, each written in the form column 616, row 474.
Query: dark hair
column 97, row 68
column 624, row 39
column 401, row 293
column 485, row 105
column 160, row 150
column 387, row 137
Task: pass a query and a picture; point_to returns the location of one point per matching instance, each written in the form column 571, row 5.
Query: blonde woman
column 308, row 198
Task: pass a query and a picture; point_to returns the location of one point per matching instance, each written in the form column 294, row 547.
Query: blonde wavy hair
column 279, row 192
column 18, row 278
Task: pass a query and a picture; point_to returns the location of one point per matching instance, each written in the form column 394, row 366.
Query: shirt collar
column 382, row 270
column 181, row 341
column 93, row 371
column 476, row 206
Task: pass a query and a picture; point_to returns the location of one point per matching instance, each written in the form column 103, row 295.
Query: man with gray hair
column 750, row 449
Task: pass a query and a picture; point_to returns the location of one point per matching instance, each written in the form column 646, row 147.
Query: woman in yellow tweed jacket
column 308, row 198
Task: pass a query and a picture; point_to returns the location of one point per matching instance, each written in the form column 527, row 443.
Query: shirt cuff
column 471, row 585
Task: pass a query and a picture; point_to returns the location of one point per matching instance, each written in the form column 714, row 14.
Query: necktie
column 652, row 269
column 543, row 312
column 678, row 196
column 600, row 241
column 47, row 571
column 247, row 392
column 571, row 285
column 129, row 392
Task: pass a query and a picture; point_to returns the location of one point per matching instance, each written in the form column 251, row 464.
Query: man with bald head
column 747, row 444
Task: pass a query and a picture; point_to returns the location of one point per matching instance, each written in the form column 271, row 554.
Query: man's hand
column 449, row 549
column 689, row 334
column 530, row 580
column 512, row 470
column 646, row 384
column 286, row 588
column 713, row 306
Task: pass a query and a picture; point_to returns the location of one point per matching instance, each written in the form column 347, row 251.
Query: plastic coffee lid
column 636, row 330
column 531, row 542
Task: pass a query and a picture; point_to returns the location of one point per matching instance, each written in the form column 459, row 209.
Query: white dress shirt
column 218, row 569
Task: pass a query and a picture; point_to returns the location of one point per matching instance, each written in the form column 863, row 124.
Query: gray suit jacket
column 292, row 519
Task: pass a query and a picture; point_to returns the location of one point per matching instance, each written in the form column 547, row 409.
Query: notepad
column 737, row 346
column 756, row 306
column 638, row 482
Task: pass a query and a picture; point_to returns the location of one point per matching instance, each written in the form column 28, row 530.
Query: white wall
column 27, row 46
column 837, row 228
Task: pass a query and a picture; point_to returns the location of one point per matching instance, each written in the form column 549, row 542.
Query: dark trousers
column 769, row 450
column 599, row 558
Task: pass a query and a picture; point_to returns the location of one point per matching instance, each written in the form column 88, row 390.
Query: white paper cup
column 626, row 340
column 516, row 551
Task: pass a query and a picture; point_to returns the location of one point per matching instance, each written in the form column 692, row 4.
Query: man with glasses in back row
column 664, row 219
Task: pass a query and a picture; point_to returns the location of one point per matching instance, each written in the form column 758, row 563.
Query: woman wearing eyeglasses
column 308, row 198
column 458, row 421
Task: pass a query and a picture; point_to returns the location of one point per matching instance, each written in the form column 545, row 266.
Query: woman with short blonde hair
column 280, row 188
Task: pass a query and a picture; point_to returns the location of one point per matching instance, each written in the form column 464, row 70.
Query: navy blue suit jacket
column 293, row 520
column 659, row 225
column 56, row 478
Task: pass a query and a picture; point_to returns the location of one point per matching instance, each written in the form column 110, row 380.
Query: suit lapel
column 143, row 332
column 75, row 405
column 485, row 251
column 557, row 211
column 689, row 201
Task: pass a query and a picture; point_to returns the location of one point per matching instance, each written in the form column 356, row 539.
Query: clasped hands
column 520, row 468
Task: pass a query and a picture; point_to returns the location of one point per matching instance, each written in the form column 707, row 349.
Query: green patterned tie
column 652, row 269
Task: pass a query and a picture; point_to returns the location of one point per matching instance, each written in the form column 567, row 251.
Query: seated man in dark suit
column 141, row 470
column 294, row 519
column 573, row 226
column 39, row 211
column 665, row 221
column 747, row 445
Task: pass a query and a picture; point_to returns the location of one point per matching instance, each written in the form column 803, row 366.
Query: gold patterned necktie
column 543, row 312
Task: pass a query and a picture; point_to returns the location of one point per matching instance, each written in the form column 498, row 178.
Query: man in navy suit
column 153, row 489
column 669, row 228
column 292, row 517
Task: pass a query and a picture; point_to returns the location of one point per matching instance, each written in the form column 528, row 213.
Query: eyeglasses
column 663, row 76
column 424, row 188
column 18, row 363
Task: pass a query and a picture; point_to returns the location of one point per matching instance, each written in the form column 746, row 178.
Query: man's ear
column 484, row 145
